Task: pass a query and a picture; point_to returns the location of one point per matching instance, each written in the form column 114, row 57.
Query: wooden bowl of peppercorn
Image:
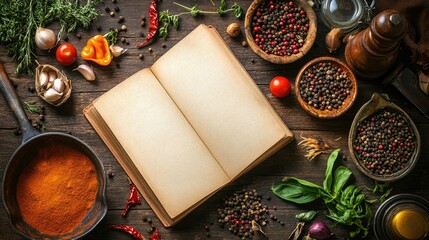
column 383, row 141
column 279, row 31
column 325, row 87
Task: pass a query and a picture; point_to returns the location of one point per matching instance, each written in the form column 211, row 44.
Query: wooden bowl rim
column 309, row 41
column 375, row 104
column 327, row 114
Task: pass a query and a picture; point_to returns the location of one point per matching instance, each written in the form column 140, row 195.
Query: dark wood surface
column 289, row 161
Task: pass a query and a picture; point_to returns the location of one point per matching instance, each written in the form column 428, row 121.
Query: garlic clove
column 117, row 50
column 333, row 39
column 87, row 71
column 51, row 95
column 52, row 76
column 43, row 79
column 59, row 85
column 424, row 82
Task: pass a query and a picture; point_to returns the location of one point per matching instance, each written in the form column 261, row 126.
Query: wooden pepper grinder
column 373, row 51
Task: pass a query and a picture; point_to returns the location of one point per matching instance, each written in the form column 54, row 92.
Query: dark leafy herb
column 20, row 20
column 112, row 37
column 348, row 206
column 306, row 216
column 381, row 188
column 166, row 18
column 33, row 107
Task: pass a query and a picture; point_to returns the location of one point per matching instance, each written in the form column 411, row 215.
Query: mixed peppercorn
column 280, row 27
column 384, row 142
column 325, row 86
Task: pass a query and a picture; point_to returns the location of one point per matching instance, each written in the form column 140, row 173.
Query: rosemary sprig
column 112, row 37
column 166, row 18
column 20, row 20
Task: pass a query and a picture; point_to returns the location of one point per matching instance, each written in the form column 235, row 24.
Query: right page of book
column 220, row 100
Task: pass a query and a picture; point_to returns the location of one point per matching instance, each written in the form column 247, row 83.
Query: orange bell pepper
column 97, row 50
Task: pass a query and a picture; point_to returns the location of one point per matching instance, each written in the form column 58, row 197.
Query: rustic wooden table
column 289, row 161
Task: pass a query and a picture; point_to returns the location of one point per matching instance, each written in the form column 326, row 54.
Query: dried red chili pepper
column 155, row 235
column 133, row 200
column 128, row 229
column 153, row 24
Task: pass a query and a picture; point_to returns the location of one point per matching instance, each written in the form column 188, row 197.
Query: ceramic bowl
column 347, row 103
column 311, row 36
column 377, row 103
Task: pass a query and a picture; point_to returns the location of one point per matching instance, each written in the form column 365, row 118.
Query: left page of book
column 158, row 139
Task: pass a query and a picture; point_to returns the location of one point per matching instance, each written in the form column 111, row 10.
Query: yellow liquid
column 409, row 224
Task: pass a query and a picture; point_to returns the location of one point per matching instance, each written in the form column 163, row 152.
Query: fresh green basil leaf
column 306, row 216
column 341, row 176
column 385, row 195
column 296, row 190
column 327, row 183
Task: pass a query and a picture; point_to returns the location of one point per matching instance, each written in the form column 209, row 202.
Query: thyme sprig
column 20, row 19
column 33, row 107
column 166, row 18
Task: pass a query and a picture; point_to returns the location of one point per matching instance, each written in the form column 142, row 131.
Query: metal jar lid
column 402, row 216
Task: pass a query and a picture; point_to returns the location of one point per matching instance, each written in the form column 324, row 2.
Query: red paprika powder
column 56, row 189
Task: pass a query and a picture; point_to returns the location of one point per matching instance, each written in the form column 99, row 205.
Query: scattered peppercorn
column 31, row 89
column 110, row 174
column 244, row 44
column 14, row 84
column 143, row 23
column 280, row 27
column 384, row 142
column 121, row 19
column 112, row 14
column 141, row 56
column 124, row 28
column 123, row 40
column 143, row 18
column 239, row 210
column 42, row 117
column 17, row 131
column 118, row 65
column 325, row 86
column 163, row 45
column 99, row 28
column 150, row 49
column 107, row 9
column 113, row 1
column 116, row 9
column 78, row 35
column 66, row 39
column 252, row 60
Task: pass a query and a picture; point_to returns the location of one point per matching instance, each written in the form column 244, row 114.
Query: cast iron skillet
column 31, row 140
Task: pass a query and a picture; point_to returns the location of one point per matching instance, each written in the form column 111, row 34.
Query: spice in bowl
column 280, row 27
column 325, row 87
column 56, row 189
column 384, row 142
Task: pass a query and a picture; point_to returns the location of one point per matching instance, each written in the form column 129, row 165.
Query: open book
column 187, row 126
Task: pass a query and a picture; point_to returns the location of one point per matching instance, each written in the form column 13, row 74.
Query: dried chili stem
column 313, row 146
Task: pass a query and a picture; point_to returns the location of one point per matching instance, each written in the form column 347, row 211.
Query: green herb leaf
column 306, row 216
column 195, row 11
column 327, row 183
column 238, row 11
column 296, row 190
column 112, row 37
column 385, row 195
column 341, row 176
column 33, row 107
column 221, row 10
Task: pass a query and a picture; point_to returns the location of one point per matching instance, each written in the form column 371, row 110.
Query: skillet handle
column 12, row 99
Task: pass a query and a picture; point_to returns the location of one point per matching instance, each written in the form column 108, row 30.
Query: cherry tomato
column 66, row 54
column 280, row 86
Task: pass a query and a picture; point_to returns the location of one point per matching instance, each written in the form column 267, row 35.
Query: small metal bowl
column 311, row 36
column 377, row 103
column 15, row 167
column 327, row 114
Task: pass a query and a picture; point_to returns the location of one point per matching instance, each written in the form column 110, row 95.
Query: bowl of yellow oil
column 402, row 217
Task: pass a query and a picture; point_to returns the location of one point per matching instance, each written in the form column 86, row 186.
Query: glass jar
column 402, row 217
column 345, row 14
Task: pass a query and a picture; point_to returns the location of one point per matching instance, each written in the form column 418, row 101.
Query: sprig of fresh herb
column 20, row 20
column 112, row 37
column 346, row 205
column 380, row 187
column 33, row 107
column 166, row 18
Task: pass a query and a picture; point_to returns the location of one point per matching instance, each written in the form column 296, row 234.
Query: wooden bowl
column 311, row 36
column 327, row 114
column 378, row 103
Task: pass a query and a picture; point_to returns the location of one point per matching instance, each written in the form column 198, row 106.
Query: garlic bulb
column 87, row 71
column 52, row 85
column 51, row 95
column 58, row 85
column 117, row 50
column 333, row 39
column 45, row 38
column 424, row 83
